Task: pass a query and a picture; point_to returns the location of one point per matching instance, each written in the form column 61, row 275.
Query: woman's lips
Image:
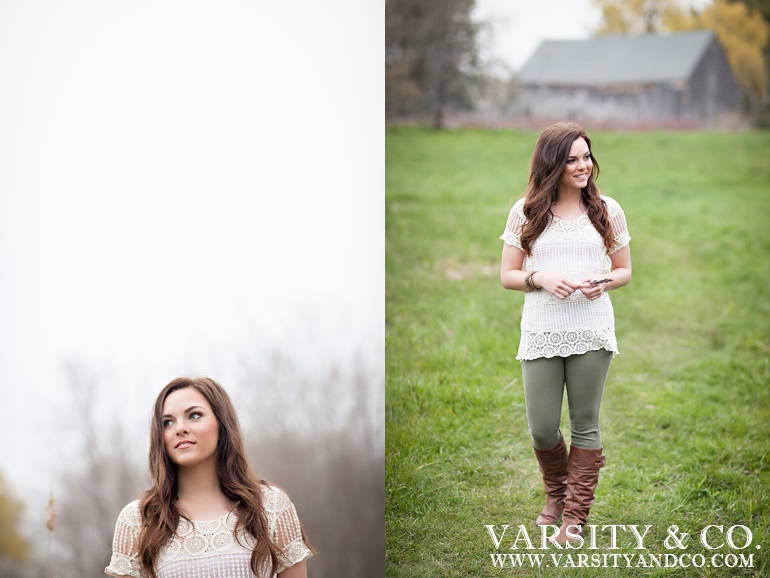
column 184, row 444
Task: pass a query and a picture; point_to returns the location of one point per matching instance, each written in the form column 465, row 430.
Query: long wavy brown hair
column 548, row 162
column 240, row 485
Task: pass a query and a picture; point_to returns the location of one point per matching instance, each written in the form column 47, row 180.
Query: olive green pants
column 544, row 380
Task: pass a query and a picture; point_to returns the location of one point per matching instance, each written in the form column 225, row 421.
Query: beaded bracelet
column 529, row 284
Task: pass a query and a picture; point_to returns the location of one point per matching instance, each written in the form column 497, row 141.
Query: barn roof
column 616, row 60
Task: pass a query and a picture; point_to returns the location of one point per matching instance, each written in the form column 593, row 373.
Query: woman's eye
column 195, row 415
column 166, row 422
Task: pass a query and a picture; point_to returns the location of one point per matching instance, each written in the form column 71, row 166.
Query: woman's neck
column 568, row 197
column 568, row 204
column 199, row 492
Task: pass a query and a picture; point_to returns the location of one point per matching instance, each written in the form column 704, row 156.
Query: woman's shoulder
column 130, row 515
column 275, row 499
column 613, row 207
column 518, row 207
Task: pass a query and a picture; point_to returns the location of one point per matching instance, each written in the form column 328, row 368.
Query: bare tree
column 321, row 437
column 95, row 486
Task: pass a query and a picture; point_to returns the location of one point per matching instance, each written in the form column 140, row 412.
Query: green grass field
column 687, row 404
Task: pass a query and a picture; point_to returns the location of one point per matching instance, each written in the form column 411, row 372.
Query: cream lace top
column 551, row 327
column 209, row 549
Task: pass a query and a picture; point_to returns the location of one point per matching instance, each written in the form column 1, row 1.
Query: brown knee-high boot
column 553, row 466
column 584, row 466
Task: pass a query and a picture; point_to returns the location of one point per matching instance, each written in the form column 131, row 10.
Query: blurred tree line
column 320, row 437
column 431, row 58
column 742, row 28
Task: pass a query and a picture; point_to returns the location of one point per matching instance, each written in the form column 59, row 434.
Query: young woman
column 206, row 513
column 566, row 246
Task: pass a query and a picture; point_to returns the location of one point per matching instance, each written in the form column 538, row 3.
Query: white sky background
column 519, row 26
column 182, row 184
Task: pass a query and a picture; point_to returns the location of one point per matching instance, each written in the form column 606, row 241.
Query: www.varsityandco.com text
column 596, row 547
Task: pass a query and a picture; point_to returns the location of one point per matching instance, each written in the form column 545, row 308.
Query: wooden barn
column 675, row 80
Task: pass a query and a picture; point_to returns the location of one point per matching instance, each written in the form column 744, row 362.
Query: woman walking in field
column 206, row 513
column 565, row 246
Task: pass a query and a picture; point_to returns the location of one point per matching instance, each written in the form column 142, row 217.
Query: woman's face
column 579, row 166
column 190, row 428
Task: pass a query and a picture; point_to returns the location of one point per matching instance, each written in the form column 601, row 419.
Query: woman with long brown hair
column 206, row 513
column 566, row 246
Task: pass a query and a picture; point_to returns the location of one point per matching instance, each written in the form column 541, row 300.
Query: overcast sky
column 183, row 184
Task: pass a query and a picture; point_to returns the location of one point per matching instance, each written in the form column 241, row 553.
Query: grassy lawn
column 687, row 405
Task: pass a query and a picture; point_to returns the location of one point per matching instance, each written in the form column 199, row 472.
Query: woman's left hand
column 590, row 290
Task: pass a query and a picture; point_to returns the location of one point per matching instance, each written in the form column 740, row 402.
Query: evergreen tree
column 431, row 57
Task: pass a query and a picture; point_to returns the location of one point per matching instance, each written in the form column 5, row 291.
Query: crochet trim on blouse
column 210, row 548
column 552, row 327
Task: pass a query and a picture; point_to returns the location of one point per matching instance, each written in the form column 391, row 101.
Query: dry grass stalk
column 50, row 519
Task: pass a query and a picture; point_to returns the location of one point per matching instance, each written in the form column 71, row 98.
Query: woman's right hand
column 555, row 284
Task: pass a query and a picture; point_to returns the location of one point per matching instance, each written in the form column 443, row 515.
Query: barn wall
column 651, row 104
column 709, row 95
column 712, row 90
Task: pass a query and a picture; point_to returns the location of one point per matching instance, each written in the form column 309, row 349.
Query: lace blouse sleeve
column 285, row 527
column 618, row 225
column 125, row 544
column 516, row 219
